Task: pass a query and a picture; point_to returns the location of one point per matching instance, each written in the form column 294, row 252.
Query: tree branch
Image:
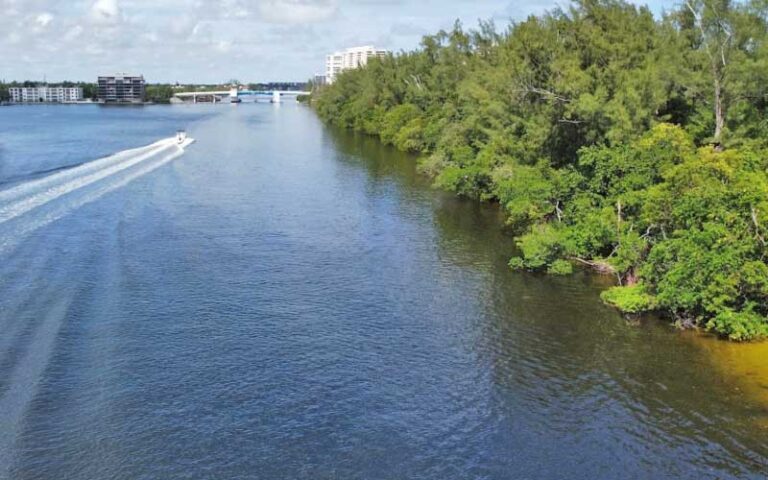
column 545, row 93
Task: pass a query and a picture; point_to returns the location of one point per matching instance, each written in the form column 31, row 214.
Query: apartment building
column 351, row 58
column 121, row 88
column 47, row 94
column 318, row 80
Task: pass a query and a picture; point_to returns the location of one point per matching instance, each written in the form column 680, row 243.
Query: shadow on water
column 565, row 362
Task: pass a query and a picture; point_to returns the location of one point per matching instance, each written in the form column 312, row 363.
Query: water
column 287, row 301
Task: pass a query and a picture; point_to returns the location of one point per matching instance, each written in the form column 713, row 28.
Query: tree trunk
column 719, row 113
column 631, row 278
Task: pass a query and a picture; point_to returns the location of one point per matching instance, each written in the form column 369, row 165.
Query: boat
column 182, row 140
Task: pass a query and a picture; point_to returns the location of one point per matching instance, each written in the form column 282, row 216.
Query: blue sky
column 216, row 40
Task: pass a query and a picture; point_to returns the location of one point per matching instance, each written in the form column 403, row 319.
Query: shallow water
column 289, row 301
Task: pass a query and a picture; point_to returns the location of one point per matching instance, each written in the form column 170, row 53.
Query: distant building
column 318, row 80
column 348, row 59
column 333, row 66
column 48, row 94
column 121, row 88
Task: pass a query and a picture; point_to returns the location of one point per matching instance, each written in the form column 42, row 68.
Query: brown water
column 290, row 301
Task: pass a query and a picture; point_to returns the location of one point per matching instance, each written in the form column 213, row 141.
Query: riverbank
column 588, row 168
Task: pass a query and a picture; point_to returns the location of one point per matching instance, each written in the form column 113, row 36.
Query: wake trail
column 55, row 191
column 24, row 381
column 12, row 240
column 39, row 184
column 16, row 295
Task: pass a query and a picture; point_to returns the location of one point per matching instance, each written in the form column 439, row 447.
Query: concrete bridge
column 233, row 95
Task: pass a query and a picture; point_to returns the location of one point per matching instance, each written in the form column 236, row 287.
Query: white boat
column 182, row 140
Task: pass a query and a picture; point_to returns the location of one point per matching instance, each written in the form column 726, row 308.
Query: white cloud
column 105, row 12
column 73, row 33
column 202, row 32
column 297, row 11
column 151, row 37
column 182, row 26
column 214, row 40
column 13, row 38
column 223, row 46
column 44, row 19
column 234, row 9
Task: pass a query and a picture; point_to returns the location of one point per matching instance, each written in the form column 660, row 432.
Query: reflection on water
column 570, row 360
column 291, row 301
column 743, row 369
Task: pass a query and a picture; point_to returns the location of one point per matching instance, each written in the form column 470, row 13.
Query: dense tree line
column 301, row 86
column 158, row 93
column 634, row 145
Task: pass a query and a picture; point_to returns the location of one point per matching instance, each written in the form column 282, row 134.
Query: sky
column 213, row 41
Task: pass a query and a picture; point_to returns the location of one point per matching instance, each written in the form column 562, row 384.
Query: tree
column 731, row 38
column 160, row 93
column 711, row 17
column 592, row 127
column 90, row 90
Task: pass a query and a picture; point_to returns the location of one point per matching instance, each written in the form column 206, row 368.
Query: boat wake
column 23, row 382
column 36, row 203
column 30, row 325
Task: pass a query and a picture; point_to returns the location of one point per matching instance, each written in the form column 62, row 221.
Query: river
column 288, row 301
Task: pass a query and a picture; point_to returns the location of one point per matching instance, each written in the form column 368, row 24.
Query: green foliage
column 560, row 267
column 592, row 127
column 159, row 93
column 401, row 127
column 541, row 247
column 739, row 326
column 630, row 299
column 713, row 260
column 90, row 90
column 527, row 194
column 516, row 263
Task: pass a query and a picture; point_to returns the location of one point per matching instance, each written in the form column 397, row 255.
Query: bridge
column 234, row 94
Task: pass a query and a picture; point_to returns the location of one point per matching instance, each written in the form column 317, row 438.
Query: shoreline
column 681, row 324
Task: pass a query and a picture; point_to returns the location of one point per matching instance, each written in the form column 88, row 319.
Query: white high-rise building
column 46, row 94
column 333, row 66
column 350, row 58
